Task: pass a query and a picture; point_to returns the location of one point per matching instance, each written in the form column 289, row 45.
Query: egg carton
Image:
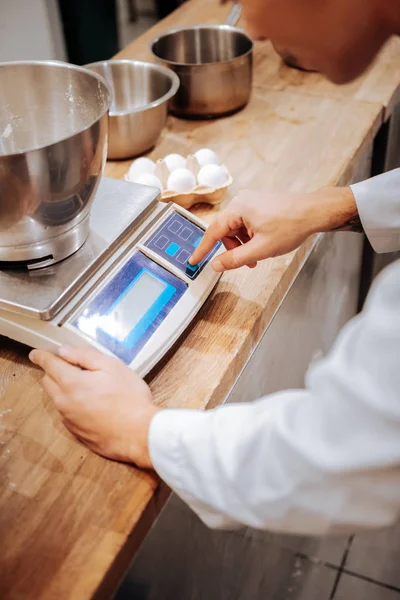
column 199, row 194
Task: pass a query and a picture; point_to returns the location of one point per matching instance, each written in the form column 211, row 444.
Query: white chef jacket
column 321, row 460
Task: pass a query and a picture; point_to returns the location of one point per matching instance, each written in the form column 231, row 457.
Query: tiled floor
column 354, row 588
column 376, row 555
column 183, row 560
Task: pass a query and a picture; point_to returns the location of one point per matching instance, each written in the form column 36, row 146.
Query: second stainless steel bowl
column 141, row 92
column 214, row 65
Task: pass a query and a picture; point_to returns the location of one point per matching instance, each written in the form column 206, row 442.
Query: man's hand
column 101, row 401
column 256, row 225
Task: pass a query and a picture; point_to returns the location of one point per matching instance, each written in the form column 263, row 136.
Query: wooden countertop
column 69, row 520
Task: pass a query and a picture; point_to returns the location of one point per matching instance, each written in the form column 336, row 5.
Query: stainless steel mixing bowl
column 53, row 142
column 141, row 92
column 214, row 65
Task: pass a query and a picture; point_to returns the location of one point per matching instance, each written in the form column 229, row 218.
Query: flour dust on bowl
column 53, row 141
column 141, row 93
column 214, row 65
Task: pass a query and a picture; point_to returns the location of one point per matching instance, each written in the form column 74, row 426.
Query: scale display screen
column 131, row 307
column 135, row 302
column 176, row 241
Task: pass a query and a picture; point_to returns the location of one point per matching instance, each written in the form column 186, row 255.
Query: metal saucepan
column 53, row 141
column 141, row 92
column 214, row 65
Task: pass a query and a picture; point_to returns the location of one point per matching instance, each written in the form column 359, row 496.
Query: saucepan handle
column 234, row 14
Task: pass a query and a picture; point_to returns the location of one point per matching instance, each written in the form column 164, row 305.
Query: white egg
column 213, row 176
column 149, row 179
column 182, row 181
column 205, row 156
column 140, row 166
column 175, row 161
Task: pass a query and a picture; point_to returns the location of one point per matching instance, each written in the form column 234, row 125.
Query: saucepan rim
column 230, row 28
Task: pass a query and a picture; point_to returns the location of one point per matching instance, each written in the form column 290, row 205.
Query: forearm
column 372, row 206
column 285, row 464
column 335, row 209
column 324, row 460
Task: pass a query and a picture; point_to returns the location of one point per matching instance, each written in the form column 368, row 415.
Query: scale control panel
column 176, row 240
column 135, row 302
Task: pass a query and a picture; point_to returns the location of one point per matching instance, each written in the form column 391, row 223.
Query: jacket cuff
column 378, row 203
column 165, row 432
column 179, row 448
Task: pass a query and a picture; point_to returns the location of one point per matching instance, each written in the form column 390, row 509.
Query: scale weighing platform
column 129, row 291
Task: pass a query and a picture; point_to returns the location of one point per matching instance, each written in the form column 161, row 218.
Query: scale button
column 161, row 242
column 183, row 257
column 192, row 269
column 175, row 226
column 172, row 249
column 185, row 234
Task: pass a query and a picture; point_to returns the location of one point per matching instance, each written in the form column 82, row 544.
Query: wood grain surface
column 69, row 520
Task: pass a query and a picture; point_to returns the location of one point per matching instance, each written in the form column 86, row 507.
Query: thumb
column 85, row 357
column 245, row 254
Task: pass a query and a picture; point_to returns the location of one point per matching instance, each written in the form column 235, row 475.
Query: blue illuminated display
column 131, row 307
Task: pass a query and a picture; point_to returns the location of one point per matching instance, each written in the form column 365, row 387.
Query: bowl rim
column 173, row 77
column 58, row 63
column 224, row 27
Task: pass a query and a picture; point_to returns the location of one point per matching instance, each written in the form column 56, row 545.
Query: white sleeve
column 378, row 202
column 315, row 461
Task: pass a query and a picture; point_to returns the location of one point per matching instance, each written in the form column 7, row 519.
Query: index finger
column 217, row 230
column 57, row 368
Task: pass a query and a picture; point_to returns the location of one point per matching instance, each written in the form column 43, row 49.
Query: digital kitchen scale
column 129, row 291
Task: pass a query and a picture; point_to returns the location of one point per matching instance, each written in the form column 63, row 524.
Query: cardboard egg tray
column 199, row 193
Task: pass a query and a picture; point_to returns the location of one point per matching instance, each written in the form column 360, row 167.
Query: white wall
column 30, row 30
